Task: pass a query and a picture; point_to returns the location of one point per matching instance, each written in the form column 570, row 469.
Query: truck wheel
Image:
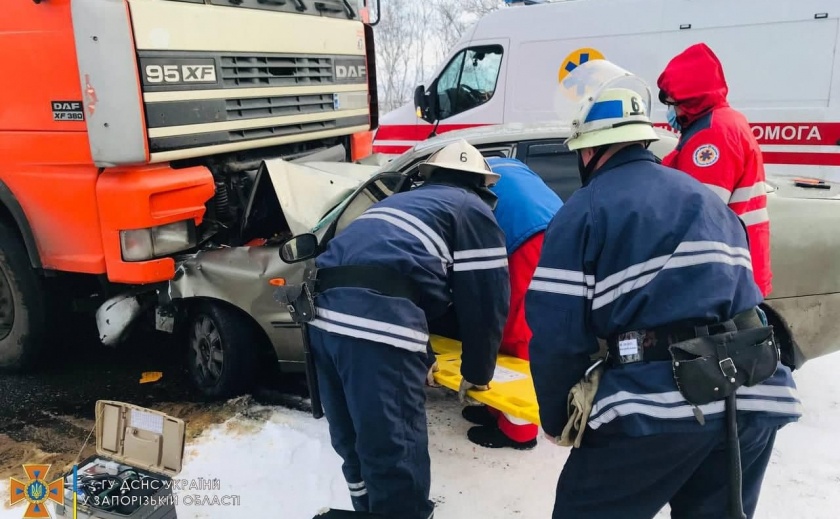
column 221, row 354
column 22, row 310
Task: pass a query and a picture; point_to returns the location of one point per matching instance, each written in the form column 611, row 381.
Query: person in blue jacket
column 643, row 257
column 402, row 262
column 525, row 207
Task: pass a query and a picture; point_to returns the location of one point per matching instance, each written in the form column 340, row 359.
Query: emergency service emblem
column 574, row 86
column 706, row 155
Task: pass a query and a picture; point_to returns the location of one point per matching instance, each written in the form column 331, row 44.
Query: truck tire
column 22, row 305
column 222, row 350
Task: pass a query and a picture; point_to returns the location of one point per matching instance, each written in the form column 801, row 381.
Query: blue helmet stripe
column 605, row 110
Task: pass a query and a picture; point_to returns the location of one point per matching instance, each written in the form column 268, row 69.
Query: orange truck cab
column 130, row 131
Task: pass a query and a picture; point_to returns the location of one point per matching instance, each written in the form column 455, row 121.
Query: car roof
column 500, row 134
column 494, row 133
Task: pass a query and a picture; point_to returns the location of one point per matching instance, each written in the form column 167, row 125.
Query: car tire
column 22, row 305
column 221, row 350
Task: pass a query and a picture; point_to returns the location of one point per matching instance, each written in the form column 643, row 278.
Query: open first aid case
column 511, row 390
column 138, row 451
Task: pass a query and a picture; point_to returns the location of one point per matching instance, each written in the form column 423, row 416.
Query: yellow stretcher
column 511, row 390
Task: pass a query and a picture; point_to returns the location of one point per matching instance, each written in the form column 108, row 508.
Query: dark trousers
column 374, row 399
column 634, row 477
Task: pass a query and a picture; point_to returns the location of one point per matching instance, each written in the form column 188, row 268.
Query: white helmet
column 611, row 105
column 460, row 156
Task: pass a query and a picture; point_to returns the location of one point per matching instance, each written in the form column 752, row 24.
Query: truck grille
column 180, row 113
column 249, row 108
column 163, row 144
column 205, row 99
column 268, row 71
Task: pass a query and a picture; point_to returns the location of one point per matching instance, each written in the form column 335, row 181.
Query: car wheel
column 221, row 353
column 22, row 311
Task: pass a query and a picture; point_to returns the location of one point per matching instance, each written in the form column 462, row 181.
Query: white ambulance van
column 780, row 58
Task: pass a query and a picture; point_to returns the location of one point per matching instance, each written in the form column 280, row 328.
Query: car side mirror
column 425, row 109
column 301, row 247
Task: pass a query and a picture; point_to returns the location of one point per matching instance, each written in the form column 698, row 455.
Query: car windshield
column 380, row 185
column 333, row 213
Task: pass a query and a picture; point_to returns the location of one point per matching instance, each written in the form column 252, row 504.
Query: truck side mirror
column 425, row 110
column 301, row 247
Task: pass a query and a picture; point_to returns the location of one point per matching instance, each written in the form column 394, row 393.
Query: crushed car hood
column 308, row 191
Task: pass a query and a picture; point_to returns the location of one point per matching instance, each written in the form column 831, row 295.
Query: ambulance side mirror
column 424, row 108
column 301, row 247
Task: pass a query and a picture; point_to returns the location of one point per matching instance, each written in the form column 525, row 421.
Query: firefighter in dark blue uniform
column 640, row 258
column 420, row 251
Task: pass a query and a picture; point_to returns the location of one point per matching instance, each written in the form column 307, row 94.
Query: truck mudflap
column 511, row 389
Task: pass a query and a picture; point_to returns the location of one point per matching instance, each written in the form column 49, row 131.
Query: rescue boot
column 493, row 438
column 479, row 415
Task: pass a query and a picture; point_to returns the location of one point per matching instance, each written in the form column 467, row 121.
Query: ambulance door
column 470, row 90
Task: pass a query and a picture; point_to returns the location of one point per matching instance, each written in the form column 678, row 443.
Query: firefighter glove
column 465, row 386
column 430, row 376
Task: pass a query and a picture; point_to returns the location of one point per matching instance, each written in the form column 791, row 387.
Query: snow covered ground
column 280, row 464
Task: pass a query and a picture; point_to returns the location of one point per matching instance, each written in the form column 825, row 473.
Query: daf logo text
column 350, row 71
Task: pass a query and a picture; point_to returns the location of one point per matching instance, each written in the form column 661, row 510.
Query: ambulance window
column 469, row 80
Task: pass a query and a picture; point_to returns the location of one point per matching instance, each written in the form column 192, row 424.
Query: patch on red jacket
column 705, row 155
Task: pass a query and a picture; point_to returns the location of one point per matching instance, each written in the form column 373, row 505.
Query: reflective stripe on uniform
column 755, row 217
column 357, row 489
column 740, row 195
column 440, row 244
column 762, row 397
column 515, row 421
column 745, row 194
column 636, row 276
column 572, row 276
column 370, row 329
column 685, row 255
column 561, row 281
column 480, row 259
column 405, row 226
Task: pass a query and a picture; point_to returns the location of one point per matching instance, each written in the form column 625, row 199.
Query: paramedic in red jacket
column 524, row 209
column 717, row 146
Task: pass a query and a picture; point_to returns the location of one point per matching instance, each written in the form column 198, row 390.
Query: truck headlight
column 155, row 242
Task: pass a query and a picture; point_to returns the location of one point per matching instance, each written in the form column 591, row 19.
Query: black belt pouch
column 708, row 368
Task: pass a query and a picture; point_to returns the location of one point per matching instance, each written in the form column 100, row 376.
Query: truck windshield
column 342, row 9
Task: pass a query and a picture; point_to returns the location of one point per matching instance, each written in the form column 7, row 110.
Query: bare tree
column 456, row 16
column 401, row 39
column 413, row 37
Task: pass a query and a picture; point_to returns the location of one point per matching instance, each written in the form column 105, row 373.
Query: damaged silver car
column 222, row 298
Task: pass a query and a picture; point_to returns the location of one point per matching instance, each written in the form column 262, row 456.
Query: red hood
column 695, row 80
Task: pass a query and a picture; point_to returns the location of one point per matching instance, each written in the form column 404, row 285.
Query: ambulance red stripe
column 824, row 135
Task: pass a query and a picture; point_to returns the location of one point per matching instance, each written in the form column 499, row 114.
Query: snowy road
column 279, row 463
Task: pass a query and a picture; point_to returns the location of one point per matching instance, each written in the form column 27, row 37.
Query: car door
column 554, row 163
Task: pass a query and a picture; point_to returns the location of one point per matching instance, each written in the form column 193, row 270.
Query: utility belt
column 300, row 298
column 654, row 344
column 710, row 361
column 384, row 280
